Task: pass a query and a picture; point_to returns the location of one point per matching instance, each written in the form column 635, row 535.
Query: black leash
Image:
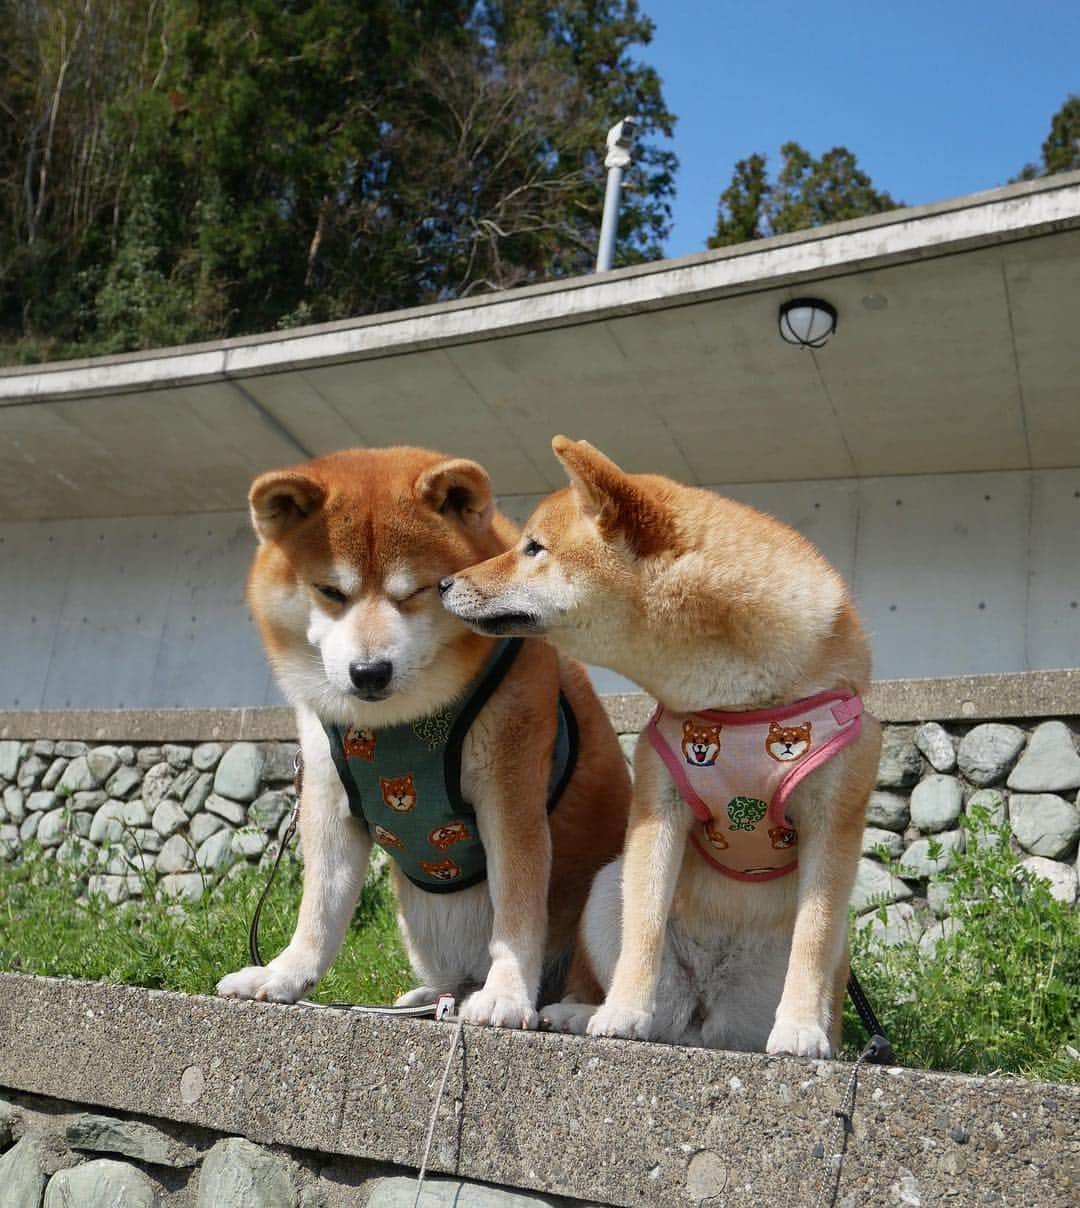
column 879, row 1051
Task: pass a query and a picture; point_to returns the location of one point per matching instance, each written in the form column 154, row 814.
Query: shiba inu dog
column 343, row 587
column 724, row 922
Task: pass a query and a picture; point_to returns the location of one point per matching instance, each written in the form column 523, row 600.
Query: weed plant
column 50, row 925
column 999, row 992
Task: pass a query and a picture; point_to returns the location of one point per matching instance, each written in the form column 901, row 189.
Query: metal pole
column 619, row 139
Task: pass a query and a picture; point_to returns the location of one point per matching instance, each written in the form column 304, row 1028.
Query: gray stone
column 114, row 889
column 278, row 766
column 88, row 799
column 103, row 762
column 30, row 773
column 875, row 840
column 147, row 839
column 936, row 745
column 184, row 886
column 156, row 784
column 900, row 760
column 176, row 756
column 44, row 747
column 400, row 1192
column 52, row 829
column 184, row 782
column 70, row 749
column 249, row 841
column 231, row 811
column 203, row 826
column 28, row 828
column 108, row 824
column 15, row 803
column 9, row 759
column 935, row 933
column 215, row 854
column 242, row 1175
column 41, row 801
column 147, row 757
column 917, row 862
column 10, row 843
column 81, row 823
column 628, row 745
column 207, row 755
column 1050, row 764
column 890, row 811
column 1061, row 878
column 52, row 775
column 135, row 813
column 23, row 1174
column 238, row 773
column 938, row 895
column 105, row 1134
column 103, row 1183
column 80, row 853
column 268, row 809
column 874, row 884
column 176, row 855
column 936, row 802
column 1044, row 824
column 990, row 802
column 78, row 776
column 168, row 818
column 127, row 755
column 119, row 863
column 200, row 791
column 987, row 752
column 123, row 782
column 900, row 925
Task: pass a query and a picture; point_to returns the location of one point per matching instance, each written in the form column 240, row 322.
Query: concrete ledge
column 607, row 1121
column 959, row 698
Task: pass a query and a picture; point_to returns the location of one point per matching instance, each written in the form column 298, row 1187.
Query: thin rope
column 435, row 1111
column 842, row 1115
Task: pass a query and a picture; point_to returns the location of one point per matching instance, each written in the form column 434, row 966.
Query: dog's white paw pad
column 570, row 1017
column 501, row 1011
column 800, row 1040
column 620, row 1021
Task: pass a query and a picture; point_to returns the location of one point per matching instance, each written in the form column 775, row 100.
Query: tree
column 1061, row 150
column 807, row 192
column 275, row 164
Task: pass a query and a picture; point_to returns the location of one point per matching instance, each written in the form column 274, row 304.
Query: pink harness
column 736, row 770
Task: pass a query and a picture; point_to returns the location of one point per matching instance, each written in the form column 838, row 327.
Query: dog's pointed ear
column 619, row 505
column 281, row 498
column 461, row 488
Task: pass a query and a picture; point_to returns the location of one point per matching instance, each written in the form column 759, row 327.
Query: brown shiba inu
column 726, row 616
column 351, row 549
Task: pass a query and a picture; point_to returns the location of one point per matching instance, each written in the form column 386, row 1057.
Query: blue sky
column 935, row 99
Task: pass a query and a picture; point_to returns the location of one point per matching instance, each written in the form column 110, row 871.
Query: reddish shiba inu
column 725, row 920
column 351, row 549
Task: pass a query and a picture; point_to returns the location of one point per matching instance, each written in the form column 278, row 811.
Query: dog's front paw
column 800, row 1040
column 626, row 1022
column 499, row 1010
column 570, row 1017
column 264, row 984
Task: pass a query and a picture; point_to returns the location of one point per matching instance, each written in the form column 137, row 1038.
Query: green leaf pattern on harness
column 434, row 730
column 746, row 812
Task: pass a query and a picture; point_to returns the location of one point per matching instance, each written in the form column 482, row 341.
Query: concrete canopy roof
column 956, row 351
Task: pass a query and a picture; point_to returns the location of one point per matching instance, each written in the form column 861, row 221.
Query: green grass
column 46, row 929
column 1002, row 994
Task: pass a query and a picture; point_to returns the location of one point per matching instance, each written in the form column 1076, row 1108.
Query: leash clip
column 444, row 1007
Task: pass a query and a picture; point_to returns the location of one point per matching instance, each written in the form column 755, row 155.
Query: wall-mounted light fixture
column 807, row 322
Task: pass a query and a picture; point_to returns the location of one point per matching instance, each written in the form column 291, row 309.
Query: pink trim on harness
column 743, row 782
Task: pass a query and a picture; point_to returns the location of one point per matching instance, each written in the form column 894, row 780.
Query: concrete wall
column 955, row 575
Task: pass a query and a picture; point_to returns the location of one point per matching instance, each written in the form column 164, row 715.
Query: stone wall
column 190, row 812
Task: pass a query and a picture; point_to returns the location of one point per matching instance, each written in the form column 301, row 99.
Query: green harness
column 404, row 782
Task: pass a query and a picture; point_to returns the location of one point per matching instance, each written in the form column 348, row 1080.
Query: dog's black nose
column 446, row 584
column 371, row 678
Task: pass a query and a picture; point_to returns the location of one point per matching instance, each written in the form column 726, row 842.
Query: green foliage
column 1061, row 150
column 806, row 192
column 1000, row 992
column 201, row 170
column 49, row 926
